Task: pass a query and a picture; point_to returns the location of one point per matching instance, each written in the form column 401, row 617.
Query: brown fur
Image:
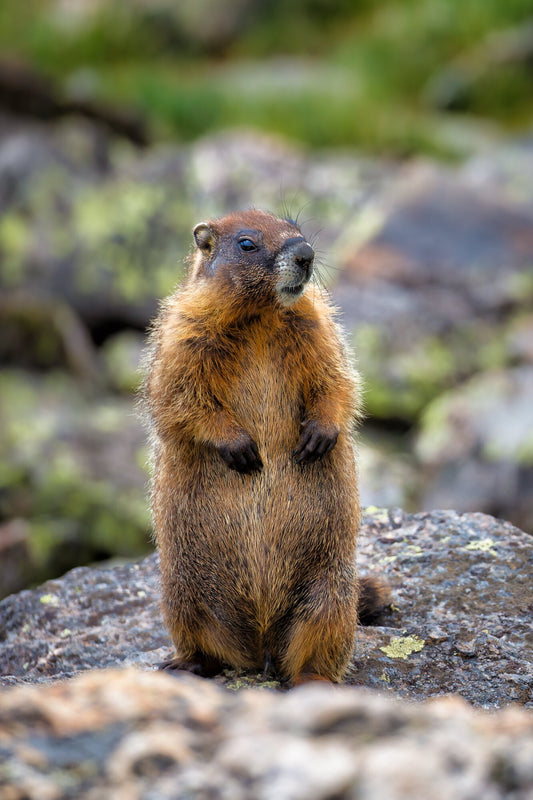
column 257, row 565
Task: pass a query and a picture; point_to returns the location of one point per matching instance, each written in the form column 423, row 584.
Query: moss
column 74, row 514
column 428, row 367
column 493, row 353
column 122, row 355
column 14, row 233
column 520, row 286
column 434, row 430
column 130, row 236
column 364, row 227
column 400, row 382
column 119, row 239
column 403, row 646
column 388, row 559
column 525, row 451
column 250, row 682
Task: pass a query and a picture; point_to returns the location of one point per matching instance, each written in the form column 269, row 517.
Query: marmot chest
column 267, row 394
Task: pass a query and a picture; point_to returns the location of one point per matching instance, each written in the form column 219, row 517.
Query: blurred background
column 400, row 133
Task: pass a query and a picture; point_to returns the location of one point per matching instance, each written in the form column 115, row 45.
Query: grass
column 349, row 74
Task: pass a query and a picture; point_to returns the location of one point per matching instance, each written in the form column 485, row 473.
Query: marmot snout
column 295, row 266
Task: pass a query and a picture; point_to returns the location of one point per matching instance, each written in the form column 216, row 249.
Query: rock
column 72, row 473
column 436, row 292
column 239, row 169
column 476, row 445
column 208, row 25
column 110, row 242
column 15, row 560
column 126, row 733
column 25, row 92
column 87, row 234
column 460, row 621
column 434, row 271
column 508, row 167
column 75, row 151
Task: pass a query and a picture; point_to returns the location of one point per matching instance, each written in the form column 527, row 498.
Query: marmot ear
column 204, row 236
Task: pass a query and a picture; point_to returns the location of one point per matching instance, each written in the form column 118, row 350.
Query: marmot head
column 254, row 254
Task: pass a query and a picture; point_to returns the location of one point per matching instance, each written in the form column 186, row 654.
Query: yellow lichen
column 484, row 545
column 403, row 646
column 414, row 550
column 379, row 514
column 49, row 599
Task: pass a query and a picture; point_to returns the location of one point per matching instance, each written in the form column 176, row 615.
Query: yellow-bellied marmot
column 251, row 402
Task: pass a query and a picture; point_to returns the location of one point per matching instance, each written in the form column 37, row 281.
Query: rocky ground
column 460, row 619
column 112, row 735
column 460, row 623
column 430, row 266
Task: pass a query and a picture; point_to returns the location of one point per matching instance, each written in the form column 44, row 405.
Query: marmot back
column 252, row 403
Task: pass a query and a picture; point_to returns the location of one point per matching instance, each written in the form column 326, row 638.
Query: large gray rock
column 116, row 734
column 436, row 270
column 460, row 621
column 476, row 445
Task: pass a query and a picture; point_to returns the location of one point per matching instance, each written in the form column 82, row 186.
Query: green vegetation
column 78, row 506
column 385, row 77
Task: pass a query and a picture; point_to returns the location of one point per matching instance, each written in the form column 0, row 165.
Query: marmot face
column 254, row 254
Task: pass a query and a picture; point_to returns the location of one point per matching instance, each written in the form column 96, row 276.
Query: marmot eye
column 247, row 245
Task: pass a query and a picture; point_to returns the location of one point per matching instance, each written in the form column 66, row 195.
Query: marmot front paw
column 241, row 455
column 315, row 441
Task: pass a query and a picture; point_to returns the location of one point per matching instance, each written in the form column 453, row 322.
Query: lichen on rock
column 403, row 646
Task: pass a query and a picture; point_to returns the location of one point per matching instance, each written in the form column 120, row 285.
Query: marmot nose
column 303, row 255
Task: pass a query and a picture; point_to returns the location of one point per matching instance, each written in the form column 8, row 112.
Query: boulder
column 435, row 270
column 476, row 445
column 460, row 620
column 129, row 734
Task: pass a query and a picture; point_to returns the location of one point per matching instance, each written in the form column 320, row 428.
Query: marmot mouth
column 297, row 289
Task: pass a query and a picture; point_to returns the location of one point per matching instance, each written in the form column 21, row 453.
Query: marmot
column 251, row 402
